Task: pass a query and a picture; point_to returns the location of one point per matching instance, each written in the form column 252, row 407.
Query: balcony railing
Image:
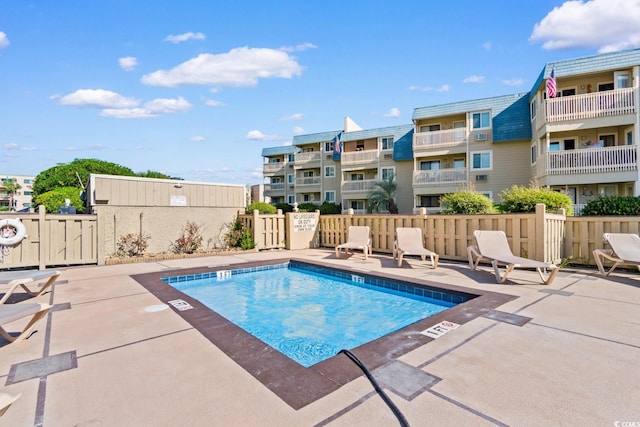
column 441, row 138
column 591, row 160
column 591, row 105
column 314, row 200
column 365, row 185
column 308, row 157
column 359, row 157
column 312, row 180
column 440, row 176
column 274, row 187
column 273, row 167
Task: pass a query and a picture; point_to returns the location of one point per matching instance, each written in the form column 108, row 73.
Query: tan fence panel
column 268, row 230
column 584, row 234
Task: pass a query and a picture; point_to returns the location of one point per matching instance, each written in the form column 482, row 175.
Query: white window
column 276, row 180
column 629, row 138
column 328, row 146
column 459, row 124
column 487, row 194
column 291, row 199
column 458, row 163
column 481, row 160
column 330, row 196
column 622, row 79
column 481, row 120
column 291, row 178
column 292, row 158
column 357, row 177
column 387, row 172
column 386, row 143
column 430, row 165
column 274, row 160
column 329, row 171
column 534, row 153
column 307, row 174
column 357, row 205
column 554, row 146
column 534, row 108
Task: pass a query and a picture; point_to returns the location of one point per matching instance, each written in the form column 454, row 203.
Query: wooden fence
column 268, row 230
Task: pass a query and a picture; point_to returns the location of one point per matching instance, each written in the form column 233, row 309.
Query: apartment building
column 19, row 200
column 580, row 140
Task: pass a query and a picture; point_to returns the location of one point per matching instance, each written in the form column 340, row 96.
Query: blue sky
column 197, row 89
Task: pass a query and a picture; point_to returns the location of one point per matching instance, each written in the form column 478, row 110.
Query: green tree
column 382, row 196
column 11, row 186
column 154, row 174
column 56, row 198
column 75, row 174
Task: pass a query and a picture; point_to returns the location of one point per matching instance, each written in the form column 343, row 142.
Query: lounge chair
column 625, row 250
column 358, row 238
column 13, row 312
column 492, row 245
column 409, row 241
column 15, row 279
column 7, row 400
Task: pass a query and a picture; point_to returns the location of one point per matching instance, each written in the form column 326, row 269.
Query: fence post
column 258, row 230
column 540, row 233
column 43, row 238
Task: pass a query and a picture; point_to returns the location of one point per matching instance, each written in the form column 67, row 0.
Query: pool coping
column 294, row 384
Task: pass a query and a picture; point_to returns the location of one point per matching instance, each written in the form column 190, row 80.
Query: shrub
column 285, row 207
column 612, row 205
column 328, row 208
column 466, row 202
column 525, row 199
column 55, row 198
column 190, row 241
column 263, row 207
column 307, row 207
column 132, row 245
column 239, row 236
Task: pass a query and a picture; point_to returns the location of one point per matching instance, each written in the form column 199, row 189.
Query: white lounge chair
column 7, row 400
column 492, row 245
column 625, row 250
column 16, row 279
column 12, row 312
column 409, row 241
column 358, row 238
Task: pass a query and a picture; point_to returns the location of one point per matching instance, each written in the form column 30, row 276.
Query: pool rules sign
column 302, row 230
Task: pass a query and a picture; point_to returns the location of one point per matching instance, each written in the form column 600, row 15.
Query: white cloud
column 297, row 130
column 293, row 117
column 256, row 135
column 239, row 67
column 179, row 38
column 474, row 79
column 198, row 138
column 214, row 103
column 513, row 82
column 97, row 98
column 486, row 45
column 298, row 47
column 91, row 147
column 12, row 146
column 4, row 40
column 128, row 63
column 165, row 105
column 443, row 88
column 608, row 25
column 394, row 113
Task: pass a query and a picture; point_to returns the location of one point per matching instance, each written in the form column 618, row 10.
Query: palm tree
column 11, row 186
column 382, row 195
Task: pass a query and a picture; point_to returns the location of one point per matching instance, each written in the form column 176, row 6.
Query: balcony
column 354, row 186
column 273, row 168
column 620, row 158
column 308, row 158
column 315, row 199
column 312, row 180
column 357, row 158
column 440, row 176
column 277, row 187
column 591, row 105
column 440, row 139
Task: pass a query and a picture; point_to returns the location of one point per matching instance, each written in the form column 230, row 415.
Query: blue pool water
column 307, row 315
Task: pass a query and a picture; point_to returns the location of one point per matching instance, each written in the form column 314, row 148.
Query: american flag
column 551, row 85
column 336, row 145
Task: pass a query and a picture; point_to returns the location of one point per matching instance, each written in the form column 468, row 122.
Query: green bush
column 132, row 245
column 190, row 241
column 524, row 199
column 612, row 205
column 328, row 208
column 263, row 207
column 466, row 202
column 307, row 207
column 284, row 207
column 239, row 236
column 55, row 198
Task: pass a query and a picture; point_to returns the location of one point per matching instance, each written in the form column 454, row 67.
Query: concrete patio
column 564, row 354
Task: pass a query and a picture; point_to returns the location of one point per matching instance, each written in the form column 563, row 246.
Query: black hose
column 403, row 421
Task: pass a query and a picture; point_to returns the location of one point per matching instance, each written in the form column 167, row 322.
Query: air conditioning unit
column 481, row 137
column 329, row 156
column 388, row 156
column 481, row 178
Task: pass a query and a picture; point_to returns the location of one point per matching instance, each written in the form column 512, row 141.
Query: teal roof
column 275, row 151
column 510, row 114
column 588, row 64
column 315, row 137
column 395, row 131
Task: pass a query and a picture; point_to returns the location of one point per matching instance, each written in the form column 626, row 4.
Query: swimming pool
column 295, row 384
column 310, row 314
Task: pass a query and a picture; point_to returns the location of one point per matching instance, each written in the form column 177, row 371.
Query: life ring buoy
column 10, row 237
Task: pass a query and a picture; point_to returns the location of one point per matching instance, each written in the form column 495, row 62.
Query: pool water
column 307, row 315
